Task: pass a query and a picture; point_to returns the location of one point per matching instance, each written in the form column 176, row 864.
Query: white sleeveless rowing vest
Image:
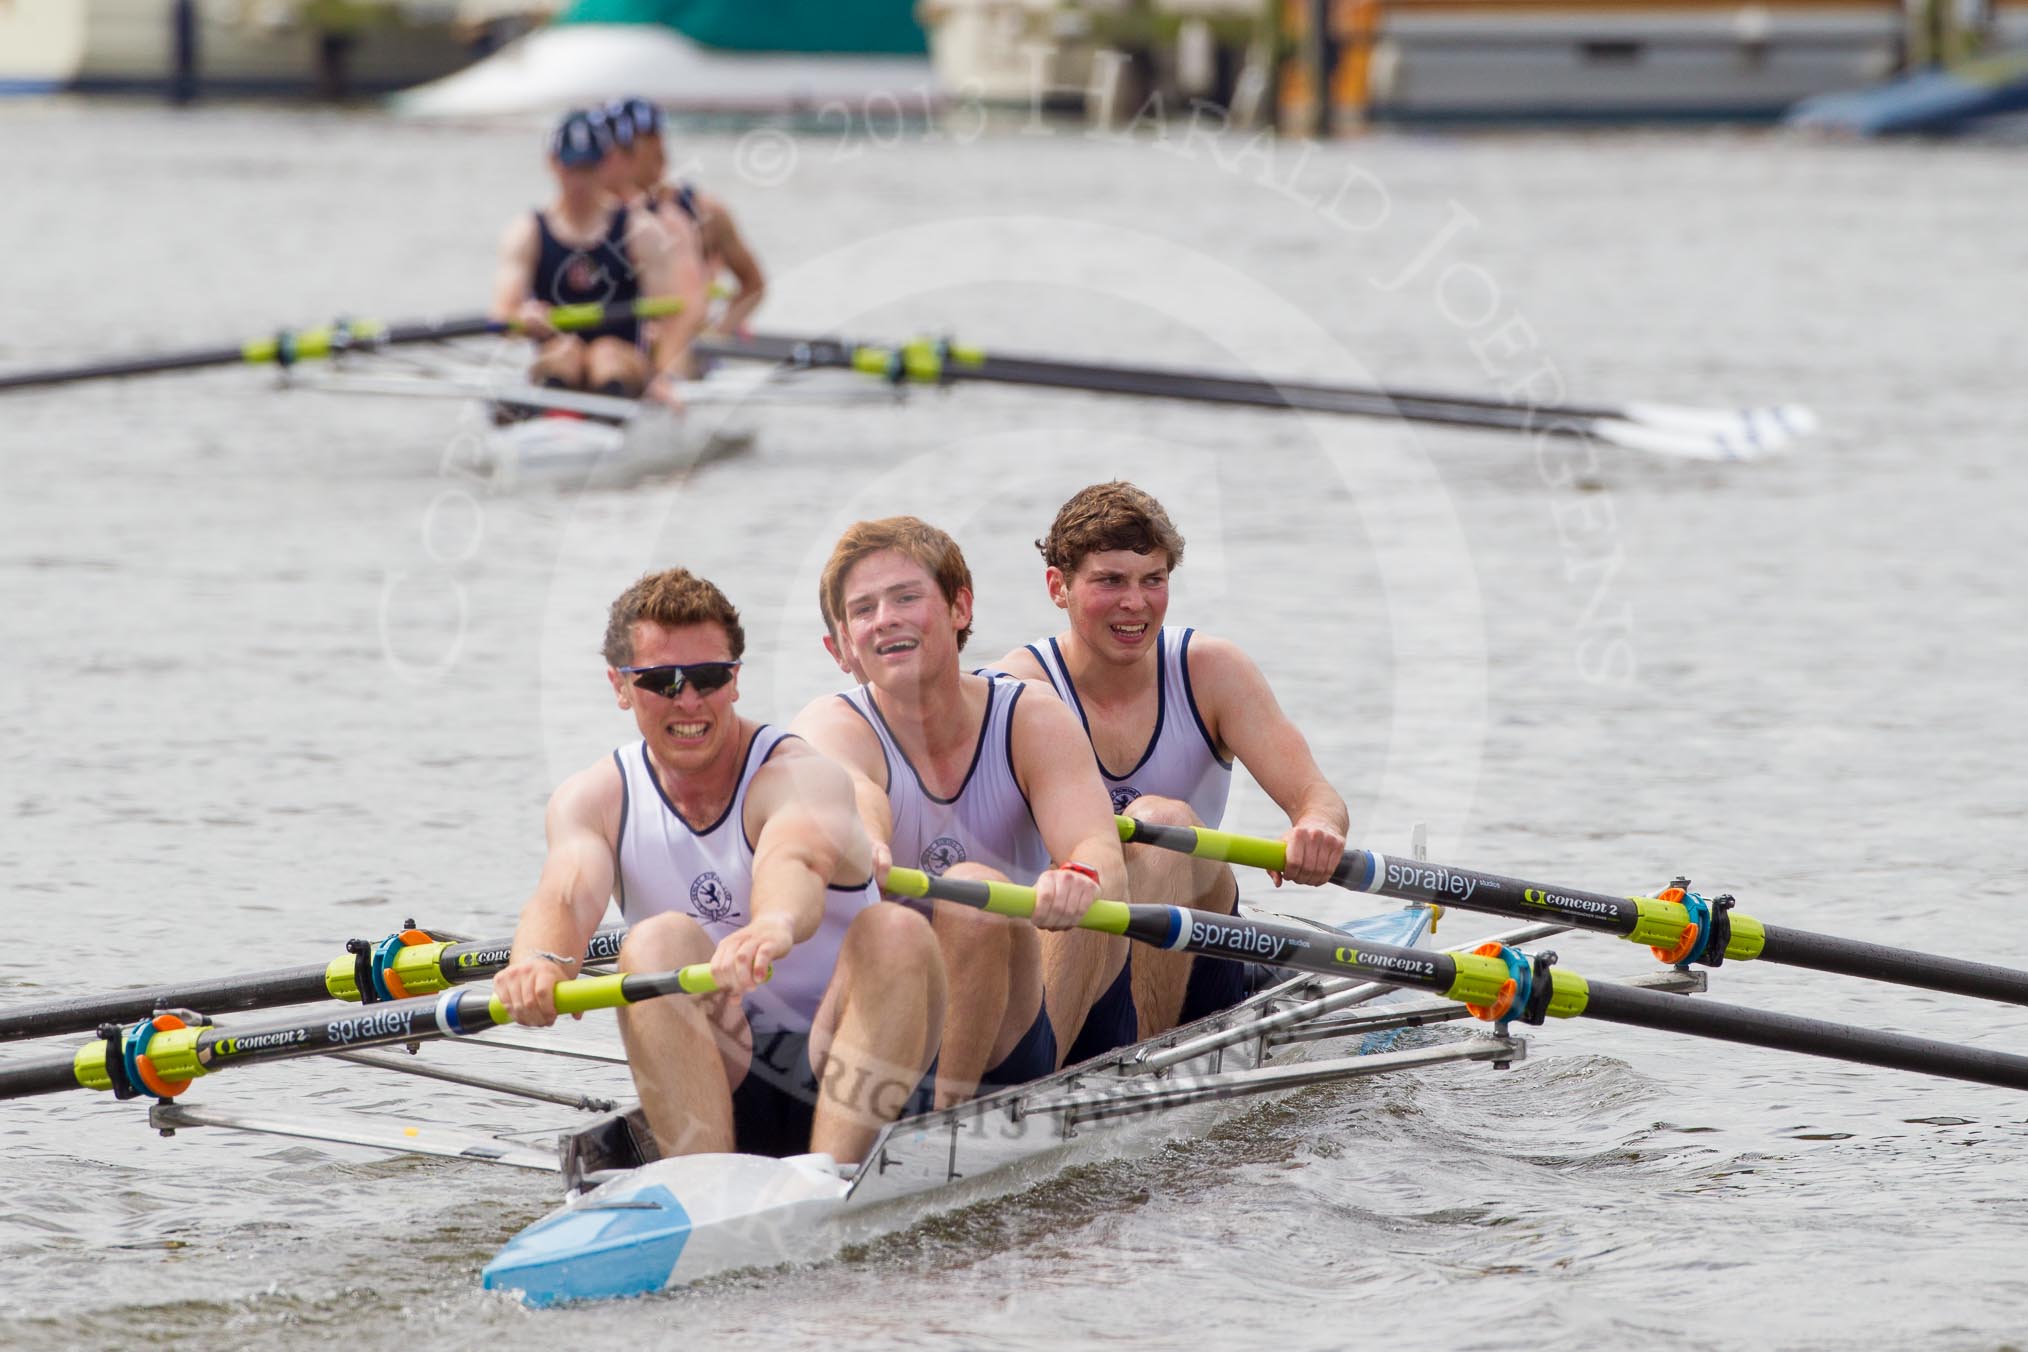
column 667, row 865
column 989, row 821
column 1181, row 761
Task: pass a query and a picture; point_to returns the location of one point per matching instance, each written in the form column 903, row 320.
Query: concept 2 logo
column 254, row 1042
column 1560, row 901
column 1406, row 964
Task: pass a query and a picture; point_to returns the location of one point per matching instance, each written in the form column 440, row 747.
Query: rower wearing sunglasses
column 959, row 775
column 726, row 841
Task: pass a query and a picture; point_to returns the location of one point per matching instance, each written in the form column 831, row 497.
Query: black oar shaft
column 1641, row 919
column 129, row 366
column 226, row 994
column 44, row 1075
column 180, row 1054
column 457, row 962
column 1473, row 977
column 1900, row 966
column 1190, row 386
column 1813, row 1037
column 288, row 346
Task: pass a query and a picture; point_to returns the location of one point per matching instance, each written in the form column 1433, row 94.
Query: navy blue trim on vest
column 1161, row 710
column 1043, row 667
column 985, row 722
column 751, row 848
column 885, row 765
column 663, row 793
column 1012, row 773
column 620, row 841
column 1190, row 694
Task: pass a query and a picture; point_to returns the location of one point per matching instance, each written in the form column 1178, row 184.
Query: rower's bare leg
column 685, row 1051
column 1077, row 967
column 993, row 964
column 877, row 1030
column 560, row 362
column 612, row 366
column 1162, row 977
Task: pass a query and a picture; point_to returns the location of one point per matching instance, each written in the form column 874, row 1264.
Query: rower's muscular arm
column 514, row 270
column 1053, row 761
column 805, row 827
column 1240, row 709
column 841, row 735
column 666, row 254
column 722, row 238
column 576, row 884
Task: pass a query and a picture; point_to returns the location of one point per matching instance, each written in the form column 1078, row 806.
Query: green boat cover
column 863, row 27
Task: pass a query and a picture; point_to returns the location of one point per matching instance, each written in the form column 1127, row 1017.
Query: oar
column 1495, row 982
column 352, row 335
column 162, row 1056
column 404, row 964
column 1690, row 930
column 1704, row 434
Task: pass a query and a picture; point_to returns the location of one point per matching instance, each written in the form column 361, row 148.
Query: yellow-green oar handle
column 565, row 318
column 1001, row 898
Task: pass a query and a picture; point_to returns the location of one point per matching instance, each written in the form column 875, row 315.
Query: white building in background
column 261, row 48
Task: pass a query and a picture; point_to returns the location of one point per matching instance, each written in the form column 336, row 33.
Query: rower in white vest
column 729, row 842
column 969, row 776
column 1168, row 710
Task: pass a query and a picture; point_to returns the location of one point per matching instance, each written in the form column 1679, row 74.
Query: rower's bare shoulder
column 796, row 767
column 1047, row 721
column 1022, row 666
column 592, row 799
column 833, row 727
column 1218, row 663
column 519, row 236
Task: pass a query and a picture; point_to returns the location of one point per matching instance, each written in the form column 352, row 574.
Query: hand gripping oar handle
column 169, row 1055
column 413, row 968
column 1486, row 980
column 1659, row 924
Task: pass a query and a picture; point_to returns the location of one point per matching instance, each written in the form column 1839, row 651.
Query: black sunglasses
column 670, row 681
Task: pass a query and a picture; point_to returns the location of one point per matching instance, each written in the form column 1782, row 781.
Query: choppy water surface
column 275, row 677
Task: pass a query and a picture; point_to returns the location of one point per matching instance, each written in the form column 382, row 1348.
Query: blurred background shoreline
column 1302, row 67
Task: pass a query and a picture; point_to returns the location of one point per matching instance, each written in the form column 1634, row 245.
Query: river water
column 276, row 673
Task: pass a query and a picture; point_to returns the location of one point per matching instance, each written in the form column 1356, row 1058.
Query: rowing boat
column 630, row 1226
column 632, row 1223
column 535, row 436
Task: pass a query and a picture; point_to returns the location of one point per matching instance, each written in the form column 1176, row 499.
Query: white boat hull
column 678, row 1221
column 557, row 67
column 565, row 451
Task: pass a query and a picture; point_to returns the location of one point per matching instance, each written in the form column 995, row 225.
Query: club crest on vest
column 940, row 854
column 710, row 898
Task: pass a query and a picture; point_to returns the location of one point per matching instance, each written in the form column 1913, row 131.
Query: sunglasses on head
column 671, row 681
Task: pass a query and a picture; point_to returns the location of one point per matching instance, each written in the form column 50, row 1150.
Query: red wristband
column 1073, row 866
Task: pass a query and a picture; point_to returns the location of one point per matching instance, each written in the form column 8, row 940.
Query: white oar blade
column 1767, row 428
column 1683, row 443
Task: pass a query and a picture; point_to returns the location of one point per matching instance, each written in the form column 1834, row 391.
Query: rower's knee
column 664, row 941
column 970, row 872
column 889, row 934
column 1161, row 811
